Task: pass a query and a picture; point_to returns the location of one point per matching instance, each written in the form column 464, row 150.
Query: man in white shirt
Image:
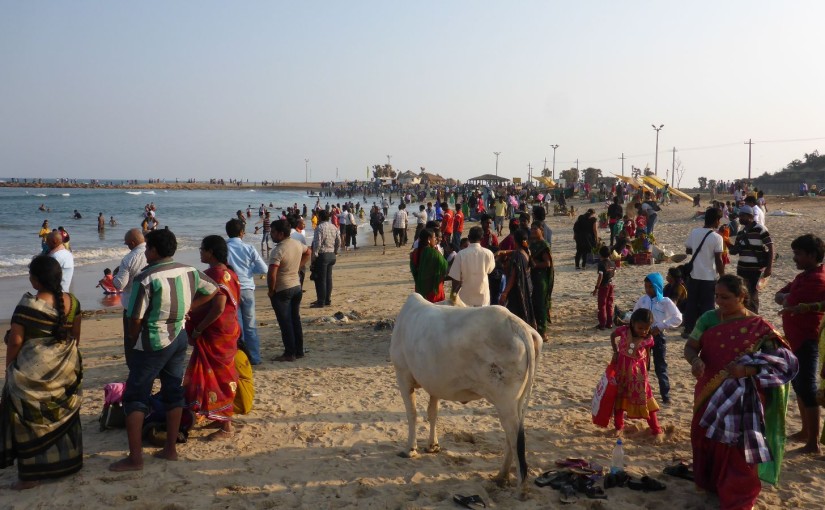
column 63, row 256
column 130, row 266
column 701, row 283
column 665, row 315
column 470, row 269
column 758, row 213
column 399, row 225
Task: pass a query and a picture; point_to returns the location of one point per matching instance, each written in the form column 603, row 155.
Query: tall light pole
column 388, row 158
column 749, row 143
column 306, row 170
column 656, row 164
column 553, row 174
column 497, row 153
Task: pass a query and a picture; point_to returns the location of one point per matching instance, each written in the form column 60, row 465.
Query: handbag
column 113, row 415
column 604, row 397
column 687, row 268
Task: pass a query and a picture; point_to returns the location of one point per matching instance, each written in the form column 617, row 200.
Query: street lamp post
column 553, row 174
column 656, row 164
column 497, row 153
column 388, row 158
column 306, row 170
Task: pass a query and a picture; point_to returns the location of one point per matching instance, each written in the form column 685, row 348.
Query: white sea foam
column 148, row 192
column 65, row 194
column 134, row 192
column 39, row 194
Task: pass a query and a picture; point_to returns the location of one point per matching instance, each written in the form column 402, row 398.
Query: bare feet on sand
column 798, row 437
column 219, row 435
column 21, row 485
column 126, row 464
column 166, row 454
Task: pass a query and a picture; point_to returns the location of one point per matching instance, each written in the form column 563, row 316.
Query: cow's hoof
column 433, row 448
column 502, row 480
column 408, row 455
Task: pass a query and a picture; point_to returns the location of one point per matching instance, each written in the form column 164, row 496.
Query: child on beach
column 675, row 288
column 606, row 268
column 631, row 351
column 107, row 283
column 629, row 226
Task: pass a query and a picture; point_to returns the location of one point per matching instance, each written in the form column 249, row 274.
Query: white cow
column 466, row 354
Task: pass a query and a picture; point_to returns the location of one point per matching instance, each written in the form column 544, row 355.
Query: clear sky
column 251, row 89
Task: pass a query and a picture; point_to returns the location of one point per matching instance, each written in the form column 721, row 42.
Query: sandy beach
column 326, row 431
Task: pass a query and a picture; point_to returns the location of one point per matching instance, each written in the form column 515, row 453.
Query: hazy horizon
column 251, row 90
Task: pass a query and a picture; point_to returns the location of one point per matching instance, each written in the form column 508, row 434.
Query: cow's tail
column 531, row 340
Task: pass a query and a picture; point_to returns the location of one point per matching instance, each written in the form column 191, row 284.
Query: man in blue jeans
column 284, row 286
column 246, row 262
column 162, row 295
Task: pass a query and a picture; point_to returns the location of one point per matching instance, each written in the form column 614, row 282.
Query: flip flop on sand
column 680, row 470
column 647, row 484
column 551, row 477
column 568, row 495
column 469, row 501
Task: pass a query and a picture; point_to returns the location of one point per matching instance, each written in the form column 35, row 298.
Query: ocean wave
column 148, row 192
column 39, row 194
column 65, row 194
column 134, row 192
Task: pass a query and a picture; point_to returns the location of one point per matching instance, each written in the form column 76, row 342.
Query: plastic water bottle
column 617, row 464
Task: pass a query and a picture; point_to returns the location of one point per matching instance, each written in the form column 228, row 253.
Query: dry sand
column 326, row 431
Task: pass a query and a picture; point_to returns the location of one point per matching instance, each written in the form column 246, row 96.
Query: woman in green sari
column 40, row 409
column 428, row 267
column 543, row 275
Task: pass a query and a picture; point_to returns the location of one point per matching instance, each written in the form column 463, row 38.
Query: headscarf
column 658, row 284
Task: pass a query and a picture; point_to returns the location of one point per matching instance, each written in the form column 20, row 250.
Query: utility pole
column 529, row 173
column 497, row 153
column 388, row 158
column 623, row 158
column 306, row 170
column 553, row 174
column 749, row 143
column 545, row 166
column 673, row 170
column 656, row 164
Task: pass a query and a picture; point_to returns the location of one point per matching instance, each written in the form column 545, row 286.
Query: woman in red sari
column 742, row 368
column 211, row 381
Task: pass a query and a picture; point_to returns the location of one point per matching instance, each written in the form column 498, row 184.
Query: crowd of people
column 742, row 380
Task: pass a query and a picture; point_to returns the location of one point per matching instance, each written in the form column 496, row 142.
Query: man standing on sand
column 161, row 297
column 470, row 269
column 325, row 245
column 801, row 316
column 63, row 256
column 247, row 262
column 130, row 266
column 754, row 246
column 707, row 245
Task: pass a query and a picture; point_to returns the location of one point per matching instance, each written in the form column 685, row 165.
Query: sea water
column 190, row 214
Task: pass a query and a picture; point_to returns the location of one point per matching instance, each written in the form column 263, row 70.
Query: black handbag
column 687, row 268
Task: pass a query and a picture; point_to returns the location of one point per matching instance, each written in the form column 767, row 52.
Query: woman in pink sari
column 211, row 381
column 742, row 368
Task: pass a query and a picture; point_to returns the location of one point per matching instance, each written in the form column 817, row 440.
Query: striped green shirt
column 161, row 296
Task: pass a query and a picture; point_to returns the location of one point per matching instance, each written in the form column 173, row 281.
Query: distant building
column 409, row 178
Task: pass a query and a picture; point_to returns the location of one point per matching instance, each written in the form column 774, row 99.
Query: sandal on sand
column 568, row 495
column 595, row 492
column 647, row 484
column 468, row 501
column 548, row 477
column 680, row 470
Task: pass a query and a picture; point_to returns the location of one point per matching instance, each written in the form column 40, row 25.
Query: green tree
column 703, row 183
column 383, row 171
column 592, row 175
column 571, row 175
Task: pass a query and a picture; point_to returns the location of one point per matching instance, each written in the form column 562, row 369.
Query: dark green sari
column 542, row 279
column 429, row 268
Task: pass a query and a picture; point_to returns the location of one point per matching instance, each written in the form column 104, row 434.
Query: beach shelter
column 659, row 183
column 545, row 181
column 636, row 183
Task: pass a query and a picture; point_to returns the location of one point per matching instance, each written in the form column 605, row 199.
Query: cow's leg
column 405, row 384
column 509, row 416
column 432, row 416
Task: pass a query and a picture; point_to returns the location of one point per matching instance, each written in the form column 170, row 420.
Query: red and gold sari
column 720, row 467
column 211, row 380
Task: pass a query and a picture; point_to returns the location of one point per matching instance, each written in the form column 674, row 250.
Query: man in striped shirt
column 754, row 246
column 162, row 295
